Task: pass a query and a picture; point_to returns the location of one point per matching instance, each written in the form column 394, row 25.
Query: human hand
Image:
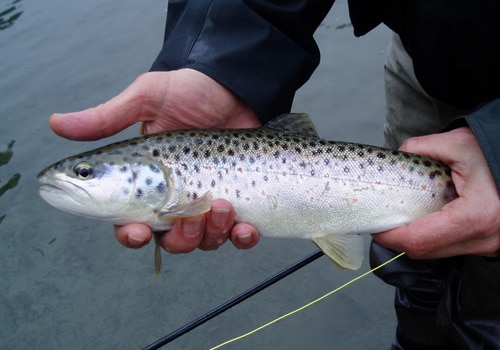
column 183, row 99
column 469, row 224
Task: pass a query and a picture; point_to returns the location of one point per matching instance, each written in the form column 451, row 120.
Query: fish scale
column 262, row 171
column 288, row 183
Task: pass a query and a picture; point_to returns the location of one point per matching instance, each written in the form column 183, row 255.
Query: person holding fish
column 237, row 64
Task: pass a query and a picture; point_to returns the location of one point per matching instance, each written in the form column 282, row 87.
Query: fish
column 281, row 178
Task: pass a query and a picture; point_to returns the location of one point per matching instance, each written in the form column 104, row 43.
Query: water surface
column 66, row 282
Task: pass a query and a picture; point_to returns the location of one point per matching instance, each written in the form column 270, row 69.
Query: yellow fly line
column 306, row 305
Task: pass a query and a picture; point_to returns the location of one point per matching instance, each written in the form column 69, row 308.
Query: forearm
column 263, row 52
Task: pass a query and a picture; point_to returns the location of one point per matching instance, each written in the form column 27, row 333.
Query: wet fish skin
column 287, row 184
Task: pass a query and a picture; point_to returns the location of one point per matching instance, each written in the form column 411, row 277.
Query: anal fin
column 347, row 251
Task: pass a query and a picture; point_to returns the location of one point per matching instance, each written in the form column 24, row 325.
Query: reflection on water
column 14, row 179
column 11, row 11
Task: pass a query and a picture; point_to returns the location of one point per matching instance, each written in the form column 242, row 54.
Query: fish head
column 108, row 185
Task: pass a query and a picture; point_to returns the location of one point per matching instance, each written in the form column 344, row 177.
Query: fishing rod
column 234, row 301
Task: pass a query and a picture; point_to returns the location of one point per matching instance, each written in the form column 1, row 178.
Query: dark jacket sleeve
column 263, row 51
column 485, row 123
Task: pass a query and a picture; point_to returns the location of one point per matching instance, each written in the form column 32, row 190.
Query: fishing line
column 236, row 300
column 307, row 305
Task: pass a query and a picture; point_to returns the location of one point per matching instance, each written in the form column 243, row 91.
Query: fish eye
column 83, row 170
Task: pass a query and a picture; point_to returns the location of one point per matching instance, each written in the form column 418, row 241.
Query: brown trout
column 281, row 178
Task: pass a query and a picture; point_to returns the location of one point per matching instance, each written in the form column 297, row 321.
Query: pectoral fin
column 179, row 210
column 345, row 250
column 187, row 208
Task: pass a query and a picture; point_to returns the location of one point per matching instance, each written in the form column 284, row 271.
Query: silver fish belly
column 287, row 184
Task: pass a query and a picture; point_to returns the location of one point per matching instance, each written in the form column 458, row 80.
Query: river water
column 66, row 282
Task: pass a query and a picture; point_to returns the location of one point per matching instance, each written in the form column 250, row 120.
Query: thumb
column 446, row 146
column 103, row 120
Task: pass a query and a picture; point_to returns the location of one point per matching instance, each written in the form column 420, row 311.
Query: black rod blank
column 234, row 301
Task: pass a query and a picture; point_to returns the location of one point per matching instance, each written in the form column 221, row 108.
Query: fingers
column 244, row 236
column 446, row 147
column 185, row 236
column 219, row 227
column 133, row 235
column 442, row 235
column 422, row 237
column 210, row 231
column 219, row 222
column 469, row 224
column 207, row 232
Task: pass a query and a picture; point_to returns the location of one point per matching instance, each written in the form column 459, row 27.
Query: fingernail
column 56, row 115
column 245, row 238
column 191, row 227
column 135, row 240
column 219, row 216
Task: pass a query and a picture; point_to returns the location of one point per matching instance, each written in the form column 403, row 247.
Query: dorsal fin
column 299, row 123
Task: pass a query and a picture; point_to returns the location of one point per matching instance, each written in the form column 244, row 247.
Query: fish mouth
column 73, row 199
column 52, row 189
column 67, row 197
column 55, row 191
